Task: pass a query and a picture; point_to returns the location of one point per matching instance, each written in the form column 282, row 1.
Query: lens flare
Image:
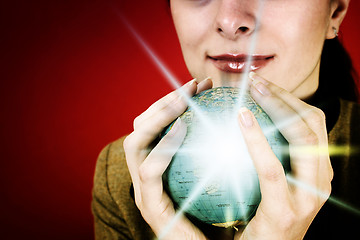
column 230, row 152
column 243, row 84
column 322, row 195
column 164, row 70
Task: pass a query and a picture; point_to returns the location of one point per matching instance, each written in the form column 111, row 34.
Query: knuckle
column 282, row 91
column 127, row 142
column 317, row 115
column 326, row 193
column 145, row 173
column 311, row 208
column 311, row 138
column 136, row 122
column 149, row 171
column 330, row 170
column 288, row 220
column 166, row 208
column 331, row 174
column 272, row 174
column 138, row 202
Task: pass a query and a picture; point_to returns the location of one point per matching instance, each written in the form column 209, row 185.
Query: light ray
column 227, row 148
column 180, row 212
column 243, row 84
column 157, row 61
column 287, row 122
column 165, row 71
column 237, row 157
column 322, row 195
column 332, row 150
column 228, row 153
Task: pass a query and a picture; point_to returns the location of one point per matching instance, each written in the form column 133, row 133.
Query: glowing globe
column 211, row 177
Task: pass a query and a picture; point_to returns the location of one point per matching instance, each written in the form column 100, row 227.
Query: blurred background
column 72, row 79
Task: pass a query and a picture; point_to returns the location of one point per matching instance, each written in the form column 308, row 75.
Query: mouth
column 239, row 63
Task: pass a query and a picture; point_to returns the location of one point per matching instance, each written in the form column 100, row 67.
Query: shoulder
column 344, row 139
column 112, row 172
column 113, row 206
column 349, row 107
column 347, row 127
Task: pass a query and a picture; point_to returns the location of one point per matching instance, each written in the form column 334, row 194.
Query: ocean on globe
column 211, row 177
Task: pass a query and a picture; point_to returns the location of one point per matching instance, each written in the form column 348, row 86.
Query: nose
column 236, row 18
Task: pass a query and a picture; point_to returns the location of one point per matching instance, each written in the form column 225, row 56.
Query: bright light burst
column 165, row 70
column 243, row 84
column 229, row 152
column 322, row 195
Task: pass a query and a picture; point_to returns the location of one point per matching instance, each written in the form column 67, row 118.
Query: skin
column 211, row 27
column 286, row 211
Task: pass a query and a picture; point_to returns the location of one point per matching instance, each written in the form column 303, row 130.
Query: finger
column 293, row 127
column 315, row 120
column 295, row 130
column 158, row 116
column 155, row 164
column 168, row 99
column 271, row 174
column 136, row 152
column 313, row 116
column 154, row 123
column 151, row 170
column 302, row 125
column 286, row 119
column 187, row 90
column 204, row 85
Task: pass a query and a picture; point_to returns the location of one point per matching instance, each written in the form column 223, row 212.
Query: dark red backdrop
column 72, row 80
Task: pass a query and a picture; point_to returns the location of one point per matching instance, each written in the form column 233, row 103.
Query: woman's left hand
column 288, row 205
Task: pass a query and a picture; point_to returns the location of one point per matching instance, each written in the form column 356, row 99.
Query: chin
column 228, row 79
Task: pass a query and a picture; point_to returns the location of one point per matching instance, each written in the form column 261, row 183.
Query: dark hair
column 337, row 74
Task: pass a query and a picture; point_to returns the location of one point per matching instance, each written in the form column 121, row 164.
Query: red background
column 72, row 80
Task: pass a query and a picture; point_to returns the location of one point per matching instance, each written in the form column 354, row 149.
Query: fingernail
column 257, row 78
column 245, row 117
column 259, row 84
column 174, row 128
column 252, row 75
column 205, row 81
column 199, row 81
column 191, row 82
column 261, row 88
column 176, row 125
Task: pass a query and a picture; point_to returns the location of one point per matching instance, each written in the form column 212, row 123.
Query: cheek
column 193, row 34
column 192, row 28
column 300, row 28
column 299, row 42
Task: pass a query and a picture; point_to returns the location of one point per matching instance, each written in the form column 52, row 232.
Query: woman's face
column 284, row 38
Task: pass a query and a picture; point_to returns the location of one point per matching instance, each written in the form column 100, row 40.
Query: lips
column 238, row 63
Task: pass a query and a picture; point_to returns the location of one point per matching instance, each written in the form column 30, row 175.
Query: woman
column 291, row 69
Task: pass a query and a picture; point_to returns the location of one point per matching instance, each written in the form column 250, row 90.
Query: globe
column 211, row 178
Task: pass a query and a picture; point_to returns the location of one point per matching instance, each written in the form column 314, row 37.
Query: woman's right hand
column 289, row 203
column 147, row 164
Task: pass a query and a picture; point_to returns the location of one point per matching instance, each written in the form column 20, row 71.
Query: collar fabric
column 329, row 104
